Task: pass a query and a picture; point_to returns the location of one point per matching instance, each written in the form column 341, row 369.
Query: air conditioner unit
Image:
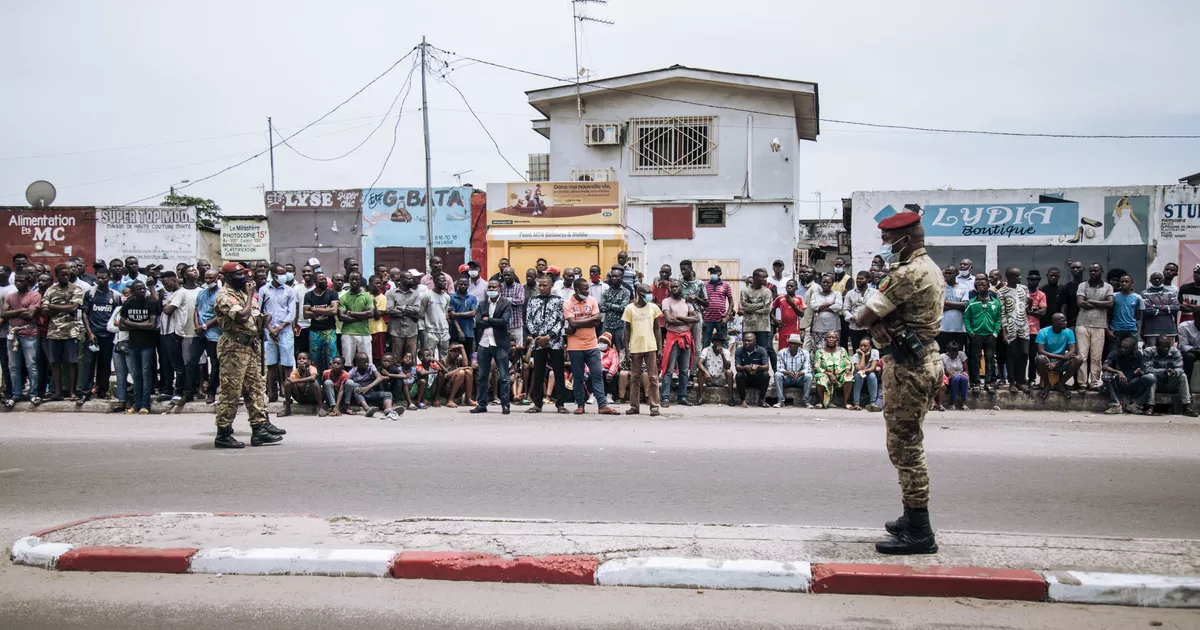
column 602, row 134
column 593, row 175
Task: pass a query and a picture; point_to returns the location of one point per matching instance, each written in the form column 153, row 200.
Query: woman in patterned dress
column 832, row 368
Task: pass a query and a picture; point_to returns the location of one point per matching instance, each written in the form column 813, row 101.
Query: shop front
column 1135, row 228
column 570, row 224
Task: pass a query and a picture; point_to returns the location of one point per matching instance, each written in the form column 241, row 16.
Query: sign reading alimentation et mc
column 49, row 235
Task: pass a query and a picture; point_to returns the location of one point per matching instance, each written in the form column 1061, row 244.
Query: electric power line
column 839, row 121
column 396, row 127
column 403, row 87
column 484, row 127
column 302, row 130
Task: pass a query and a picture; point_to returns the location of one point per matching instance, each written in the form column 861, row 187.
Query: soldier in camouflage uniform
column 239, row 351
column 904, row 317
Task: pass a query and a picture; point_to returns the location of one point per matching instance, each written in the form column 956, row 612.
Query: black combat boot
column 916, row 539
column 898, row 526
column 225, row 439
column 272, row 429
column 261, row 436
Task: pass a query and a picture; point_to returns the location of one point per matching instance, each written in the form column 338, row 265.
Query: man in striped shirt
column 514, row 292
column 719, row 310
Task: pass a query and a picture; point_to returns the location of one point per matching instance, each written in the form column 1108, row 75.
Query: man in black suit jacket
column 491, row 338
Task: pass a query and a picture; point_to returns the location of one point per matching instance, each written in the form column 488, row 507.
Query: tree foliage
column 208, row 213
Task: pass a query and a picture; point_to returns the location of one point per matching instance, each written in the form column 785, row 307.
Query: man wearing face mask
column 965, row 279
column 239, row 352
column 904, row 317
column 841, row 280
column 718, row 310
column 206, row 325
column 612, row 306
column 491, row 325
column 476, row 285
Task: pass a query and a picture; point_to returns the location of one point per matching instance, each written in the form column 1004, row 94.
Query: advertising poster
column 554, row 203
column 162, row 236
column 50, row 235
column 1126, row 220
column 395, row 217
column 1180, row 214
column 245, row 239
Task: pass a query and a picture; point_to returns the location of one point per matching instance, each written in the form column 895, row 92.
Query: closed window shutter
column 672, row 222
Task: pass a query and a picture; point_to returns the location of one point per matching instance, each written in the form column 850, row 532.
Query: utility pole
column 428, row 167
column 271, row 136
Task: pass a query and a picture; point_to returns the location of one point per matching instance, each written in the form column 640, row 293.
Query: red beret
column 462, row 268
column 231, row 267
column 900, row 220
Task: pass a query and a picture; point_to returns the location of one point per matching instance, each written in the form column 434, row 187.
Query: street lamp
column 182, row 181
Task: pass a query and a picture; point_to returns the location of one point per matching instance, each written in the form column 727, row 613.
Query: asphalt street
column 991, row 471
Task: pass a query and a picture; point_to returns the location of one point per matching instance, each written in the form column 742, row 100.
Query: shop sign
column 395, row 217
column 1002, row 220
column 284, row 200
column 166, row 236
column 245, row 239
column 50, row 235
column 1180, row 217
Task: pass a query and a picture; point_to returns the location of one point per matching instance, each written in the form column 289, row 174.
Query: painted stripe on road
column 1124, row 589
column 294, row 561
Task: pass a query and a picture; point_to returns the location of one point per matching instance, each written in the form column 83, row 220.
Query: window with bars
column 674, row 145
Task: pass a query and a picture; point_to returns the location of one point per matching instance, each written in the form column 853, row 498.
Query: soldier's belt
column 245, row 339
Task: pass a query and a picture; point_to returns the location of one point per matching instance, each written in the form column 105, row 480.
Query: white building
column 709, row 161
column 1136, row 228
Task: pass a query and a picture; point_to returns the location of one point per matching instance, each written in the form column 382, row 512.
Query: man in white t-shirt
column 716, row 368
column 183, row 325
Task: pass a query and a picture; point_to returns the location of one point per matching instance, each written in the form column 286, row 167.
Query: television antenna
column 577, row 21
column 458, row 176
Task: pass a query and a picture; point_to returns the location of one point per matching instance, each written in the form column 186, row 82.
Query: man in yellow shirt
column 643, row 341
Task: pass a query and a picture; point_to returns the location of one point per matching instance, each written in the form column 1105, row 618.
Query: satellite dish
column 40, row 194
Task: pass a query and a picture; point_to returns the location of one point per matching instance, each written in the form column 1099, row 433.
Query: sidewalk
column 774, row 557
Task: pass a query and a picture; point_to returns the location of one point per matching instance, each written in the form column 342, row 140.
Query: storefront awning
column 557, row 234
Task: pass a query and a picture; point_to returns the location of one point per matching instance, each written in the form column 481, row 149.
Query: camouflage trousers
column 908, row 390
column 240, row 369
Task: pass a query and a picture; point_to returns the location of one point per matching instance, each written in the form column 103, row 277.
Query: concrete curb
column 664, row 572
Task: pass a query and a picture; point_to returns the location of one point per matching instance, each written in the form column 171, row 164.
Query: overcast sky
column 84, row 80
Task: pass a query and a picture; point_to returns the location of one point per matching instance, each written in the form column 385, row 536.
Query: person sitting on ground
column 716, row 368
column 752, row 364
column 404, row 380
column 795, row 370
column 1124, row 373
column 1164, row 362
column 301, row 386
column 430, row 373
column 516, row 373
column 610, row 361
column 334, row 383
column 369, row 390
column 459, row 376
column 868, row 368
column 832, row 369
column 954, row 364
column 1056, row 353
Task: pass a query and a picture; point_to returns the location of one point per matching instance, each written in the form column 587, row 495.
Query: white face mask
column 474, row 273
column 603, row 346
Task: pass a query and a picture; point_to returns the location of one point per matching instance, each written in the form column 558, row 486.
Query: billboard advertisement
column 553, row 203
column 50, row 235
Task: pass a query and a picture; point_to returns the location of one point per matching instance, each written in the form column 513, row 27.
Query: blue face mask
column 493, row 294
column 888, row 252
column 289, row 276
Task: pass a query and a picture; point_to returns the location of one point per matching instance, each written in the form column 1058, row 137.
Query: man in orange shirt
column 583, row 315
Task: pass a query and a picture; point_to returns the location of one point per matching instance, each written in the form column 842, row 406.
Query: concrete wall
column 1085, row 225
column 771, row 175
column 754, row 234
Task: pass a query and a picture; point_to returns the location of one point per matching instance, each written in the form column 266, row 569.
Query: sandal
column 422, row 406
column 534, row 410
column 562, row 410
column 412, row 407
column 853, row 408
column 35, row 401
column 632, row 412
column 451, row 405
column 579, row 411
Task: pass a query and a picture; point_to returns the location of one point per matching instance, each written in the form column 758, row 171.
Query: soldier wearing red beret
column 904, row 316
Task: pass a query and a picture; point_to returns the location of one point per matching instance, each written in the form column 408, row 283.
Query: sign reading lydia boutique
column 1003, row 220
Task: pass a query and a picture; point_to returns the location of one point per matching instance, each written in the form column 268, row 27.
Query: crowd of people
column 401, row 340
column 1095, row 333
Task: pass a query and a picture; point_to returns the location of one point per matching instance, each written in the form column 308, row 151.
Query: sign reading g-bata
column 245, row 239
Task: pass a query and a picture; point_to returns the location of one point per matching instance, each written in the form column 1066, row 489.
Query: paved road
column 47, row 601
column 1016, row 472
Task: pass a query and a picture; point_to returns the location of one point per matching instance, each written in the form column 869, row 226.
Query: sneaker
column 391, row 415
column 873, row 408
column 130, row 411
column 143, row 412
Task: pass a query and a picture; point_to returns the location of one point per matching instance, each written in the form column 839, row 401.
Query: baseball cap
column 462, row 268
column 554, row 270
column 313, row 262
column 472, row 263
column 714, row 269
column 414, row 273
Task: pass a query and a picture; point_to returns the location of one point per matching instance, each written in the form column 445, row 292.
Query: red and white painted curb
column 700, row 573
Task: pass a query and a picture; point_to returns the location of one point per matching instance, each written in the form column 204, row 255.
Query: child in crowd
column 955, row 377
column 404, row 379
column 459, row 376
column 610, row 361
column 430, row 373
column 334, row 383
column 301, row 386
column 516, row 374
column 370, row 392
